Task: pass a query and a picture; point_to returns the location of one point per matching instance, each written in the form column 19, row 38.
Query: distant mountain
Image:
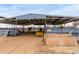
column 31, row 16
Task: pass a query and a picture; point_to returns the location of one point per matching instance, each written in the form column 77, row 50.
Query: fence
column 66, row 30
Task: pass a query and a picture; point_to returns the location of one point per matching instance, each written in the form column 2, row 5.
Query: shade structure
column 8, row 21
column 39, row 19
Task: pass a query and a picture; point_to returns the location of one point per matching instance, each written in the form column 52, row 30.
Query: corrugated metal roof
column 31, row 16
column 39, row 19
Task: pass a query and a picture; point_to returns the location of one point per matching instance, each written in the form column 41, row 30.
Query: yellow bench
column 39, row 33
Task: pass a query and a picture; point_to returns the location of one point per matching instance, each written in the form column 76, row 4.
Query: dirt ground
column 31, row 44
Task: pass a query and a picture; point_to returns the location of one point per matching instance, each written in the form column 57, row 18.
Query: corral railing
column 74, row 32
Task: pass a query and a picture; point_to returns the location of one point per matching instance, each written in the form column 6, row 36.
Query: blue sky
column 11, row 10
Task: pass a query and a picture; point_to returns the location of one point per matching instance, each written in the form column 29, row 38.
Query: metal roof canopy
column 55, row 20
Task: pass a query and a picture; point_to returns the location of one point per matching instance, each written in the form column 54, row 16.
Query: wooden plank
column 60, row 40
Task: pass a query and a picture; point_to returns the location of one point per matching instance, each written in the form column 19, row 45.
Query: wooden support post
column 45, row 29
column 23, row 29
column 16, row 27
column 33, row 28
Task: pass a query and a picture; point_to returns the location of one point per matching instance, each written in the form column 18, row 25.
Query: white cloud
column 65, row 10
column 72, row 10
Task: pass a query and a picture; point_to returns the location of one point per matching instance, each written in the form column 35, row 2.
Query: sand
column 21, row 44
column 31, row 44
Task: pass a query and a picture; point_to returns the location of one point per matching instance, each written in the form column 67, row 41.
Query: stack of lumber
column 60, row 40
